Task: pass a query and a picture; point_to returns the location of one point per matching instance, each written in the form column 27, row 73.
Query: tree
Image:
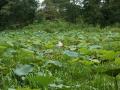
column 49, row 11
column 69, row 11
column 104, row 12
column 111, row 12
column 2, row 3
column 91, row 11
column 72, row 12
column 17, row 12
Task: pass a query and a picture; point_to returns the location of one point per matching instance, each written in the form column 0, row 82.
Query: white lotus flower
column 60, row 44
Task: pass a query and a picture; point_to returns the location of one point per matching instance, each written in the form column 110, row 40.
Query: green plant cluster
column 60, row 56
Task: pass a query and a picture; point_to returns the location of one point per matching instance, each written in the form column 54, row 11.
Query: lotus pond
column 51, row 56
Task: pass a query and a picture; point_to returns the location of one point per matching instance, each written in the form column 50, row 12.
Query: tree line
column 23, row 12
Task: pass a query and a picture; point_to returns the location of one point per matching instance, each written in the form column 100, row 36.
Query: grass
column 32, row 59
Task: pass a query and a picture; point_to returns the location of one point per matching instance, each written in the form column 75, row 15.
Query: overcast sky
column 40, row 1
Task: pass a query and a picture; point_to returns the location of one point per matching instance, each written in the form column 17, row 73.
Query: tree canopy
column 17, row 12
column 96, row 12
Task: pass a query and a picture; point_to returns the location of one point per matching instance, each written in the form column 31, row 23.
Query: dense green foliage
column 60, row 56
column 17, row 12
column 102, row 12
column 22, row 12
column 52, row 54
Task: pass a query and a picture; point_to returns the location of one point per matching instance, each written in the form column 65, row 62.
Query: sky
column 40, row 7
column 40, row 1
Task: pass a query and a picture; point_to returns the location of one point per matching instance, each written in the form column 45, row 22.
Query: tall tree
column 2, row 3
column 103, row 12
column 91, row 11
column 19, row 12
column 67, row 9
column 50, row 10
column 111, row 12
